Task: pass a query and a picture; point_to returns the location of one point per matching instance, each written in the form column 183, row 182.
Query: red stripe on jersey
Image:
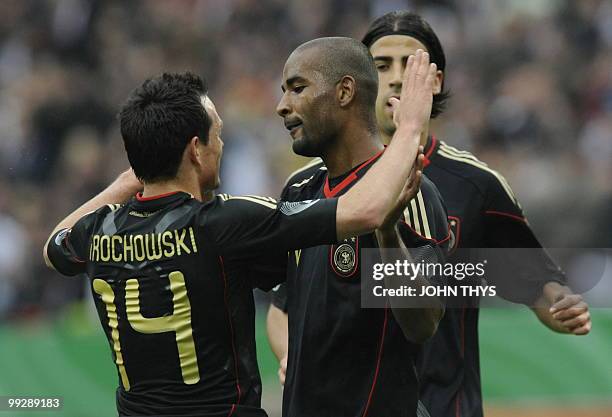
column 71, row 248
column 348, row 180
column 431, row 239
column 429, row 151
column 457, row 405
column 512, row 216
column 232, row 410
column 139, row 196
column 458, row 398
column 229, row 319
column 380, row 351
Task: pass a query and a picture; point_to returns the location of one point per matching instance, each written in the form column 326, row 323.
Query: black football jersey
column 171, row 281
column 345, row 360
column 483, row 213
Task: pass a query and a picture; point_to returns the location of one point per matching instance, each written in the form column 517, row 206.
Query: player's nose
column 283, row 109
column 396, row 77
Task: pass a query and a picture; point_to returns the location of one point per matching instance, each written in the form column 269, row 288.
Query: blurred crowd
column 531, row 84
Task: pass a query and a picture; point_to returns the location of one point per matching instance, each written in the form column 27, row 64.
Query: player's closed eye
column 382, row 67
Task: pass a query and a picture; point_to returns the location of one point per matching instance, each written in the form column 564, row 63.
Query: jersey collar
column 350, row 178
column 160, row 200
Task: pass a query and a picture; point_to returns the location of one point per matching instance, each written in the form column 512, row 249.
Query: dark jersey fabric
column 483, row 213
column 345, row 360
column 170, row 277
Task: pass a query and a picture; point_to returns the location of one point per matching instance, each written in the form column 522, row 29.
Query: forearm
column 417, row 316
column 277, row 327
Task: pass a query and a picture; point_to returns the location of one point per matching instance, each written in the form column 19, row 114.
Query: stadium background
column 532, row 96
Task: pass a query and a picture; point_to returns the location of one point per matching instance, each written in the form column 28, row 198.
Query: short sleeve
column 67, row 249
column 252, row 225
column 279, row 297
column 507, row 227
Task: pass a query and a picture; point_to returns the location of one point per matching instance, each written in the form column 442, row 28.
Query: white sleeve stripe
column 260, row 197
column 407, row 217
column 424, row 215
column 457, row 152
column 417, row 224
column 255, row 200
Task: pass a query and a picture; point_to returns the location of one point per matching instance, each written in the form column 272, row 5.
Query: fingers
column 416, row 167
column 583, row 330
column 417, row 92
column 570, row 313
column 416, row 71
column 414, row 180
column 282, row 371
column 420, row 162
column 394, row 102
column 577, row 322
column 408, row 75
column 568, row 300
column 418, row 68
column 573, row 313
column 281, row 376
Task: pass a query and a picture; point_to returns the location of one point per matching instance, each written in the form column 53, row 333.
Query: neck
column 386, row 138
column 176, row 184
column 353, row 147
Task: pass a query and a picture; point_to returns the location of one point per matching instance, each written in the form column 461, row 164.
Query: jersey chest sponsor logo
column 344, row 257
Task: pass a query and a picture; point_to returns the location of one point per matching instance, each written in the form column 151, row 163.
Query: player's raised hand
column 411, row 189
column 129, row 180
column 572, row 312
column 413, row 110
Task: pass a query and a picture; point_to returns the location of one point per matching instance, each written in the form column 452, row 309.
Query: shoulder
column 305, row 173
column 468, row 167
column 306, row 176
column 244, row 203
column 88, row 222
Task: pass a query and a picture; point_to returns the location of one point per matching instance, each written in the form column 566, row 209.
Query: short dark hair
column 340, row 56
column 402, row 22
column 159, row 119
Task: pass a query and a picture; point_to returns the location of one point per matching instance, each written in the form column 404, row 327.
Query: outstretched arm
column 124, row 187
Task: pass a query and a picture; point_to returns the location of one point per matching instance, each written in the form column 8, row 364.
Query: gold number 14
column 179, row 323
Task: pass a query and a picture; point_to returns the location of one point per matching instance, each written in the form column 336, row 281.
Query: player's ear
column 345, row 90
column 437, row 87
column 193, row 150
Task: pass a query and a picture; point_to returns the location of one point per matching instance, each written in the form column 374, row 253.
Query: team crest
column 344, row 257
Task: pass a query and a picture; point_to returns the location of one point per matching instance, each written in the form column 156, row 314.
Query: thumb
column 394, row 102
